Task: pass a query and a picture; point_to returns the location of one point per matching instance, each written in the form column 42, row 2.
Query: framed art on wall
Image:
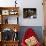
column 28, row 12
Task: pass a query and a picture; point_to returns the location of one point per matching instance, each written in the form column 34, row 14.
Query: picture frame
column 5, row 12
column 29, row 12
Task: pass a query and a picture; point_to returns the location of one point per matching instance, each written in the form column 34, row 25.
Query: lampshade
column 15, row 3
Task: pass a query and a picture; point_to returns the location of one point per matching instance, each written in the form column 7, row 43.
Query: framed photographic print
column 28, row 12
column 5, row 12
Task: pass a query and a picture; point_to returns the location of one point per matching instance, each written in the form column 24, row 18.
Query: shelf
column 10, row 26
column 9, row 10
column 10, row 41
column 5, row 13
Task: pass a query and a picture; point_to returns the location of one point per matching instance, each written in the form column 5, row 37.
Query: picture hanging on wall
column 29, row 12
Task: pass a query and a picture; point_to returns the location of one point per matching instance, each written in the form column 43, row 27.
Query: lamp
column 15, row 3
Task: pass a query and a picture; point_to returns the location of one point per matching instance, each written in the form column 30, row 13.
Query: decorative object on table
column 30, row 38
column 29, row 12
column 13, row 12
column 15, row 3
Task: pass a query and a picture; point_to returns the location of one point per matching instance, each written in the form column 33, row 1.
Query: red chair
column 29, row 33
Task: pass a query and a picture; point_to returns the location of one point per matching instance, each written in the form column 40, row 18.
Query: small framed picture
column 5, row 12
column 29, row 12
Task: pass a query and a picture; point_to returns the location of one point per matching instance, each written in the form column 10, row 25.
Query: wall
column 27, row 4
column 32, row 22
